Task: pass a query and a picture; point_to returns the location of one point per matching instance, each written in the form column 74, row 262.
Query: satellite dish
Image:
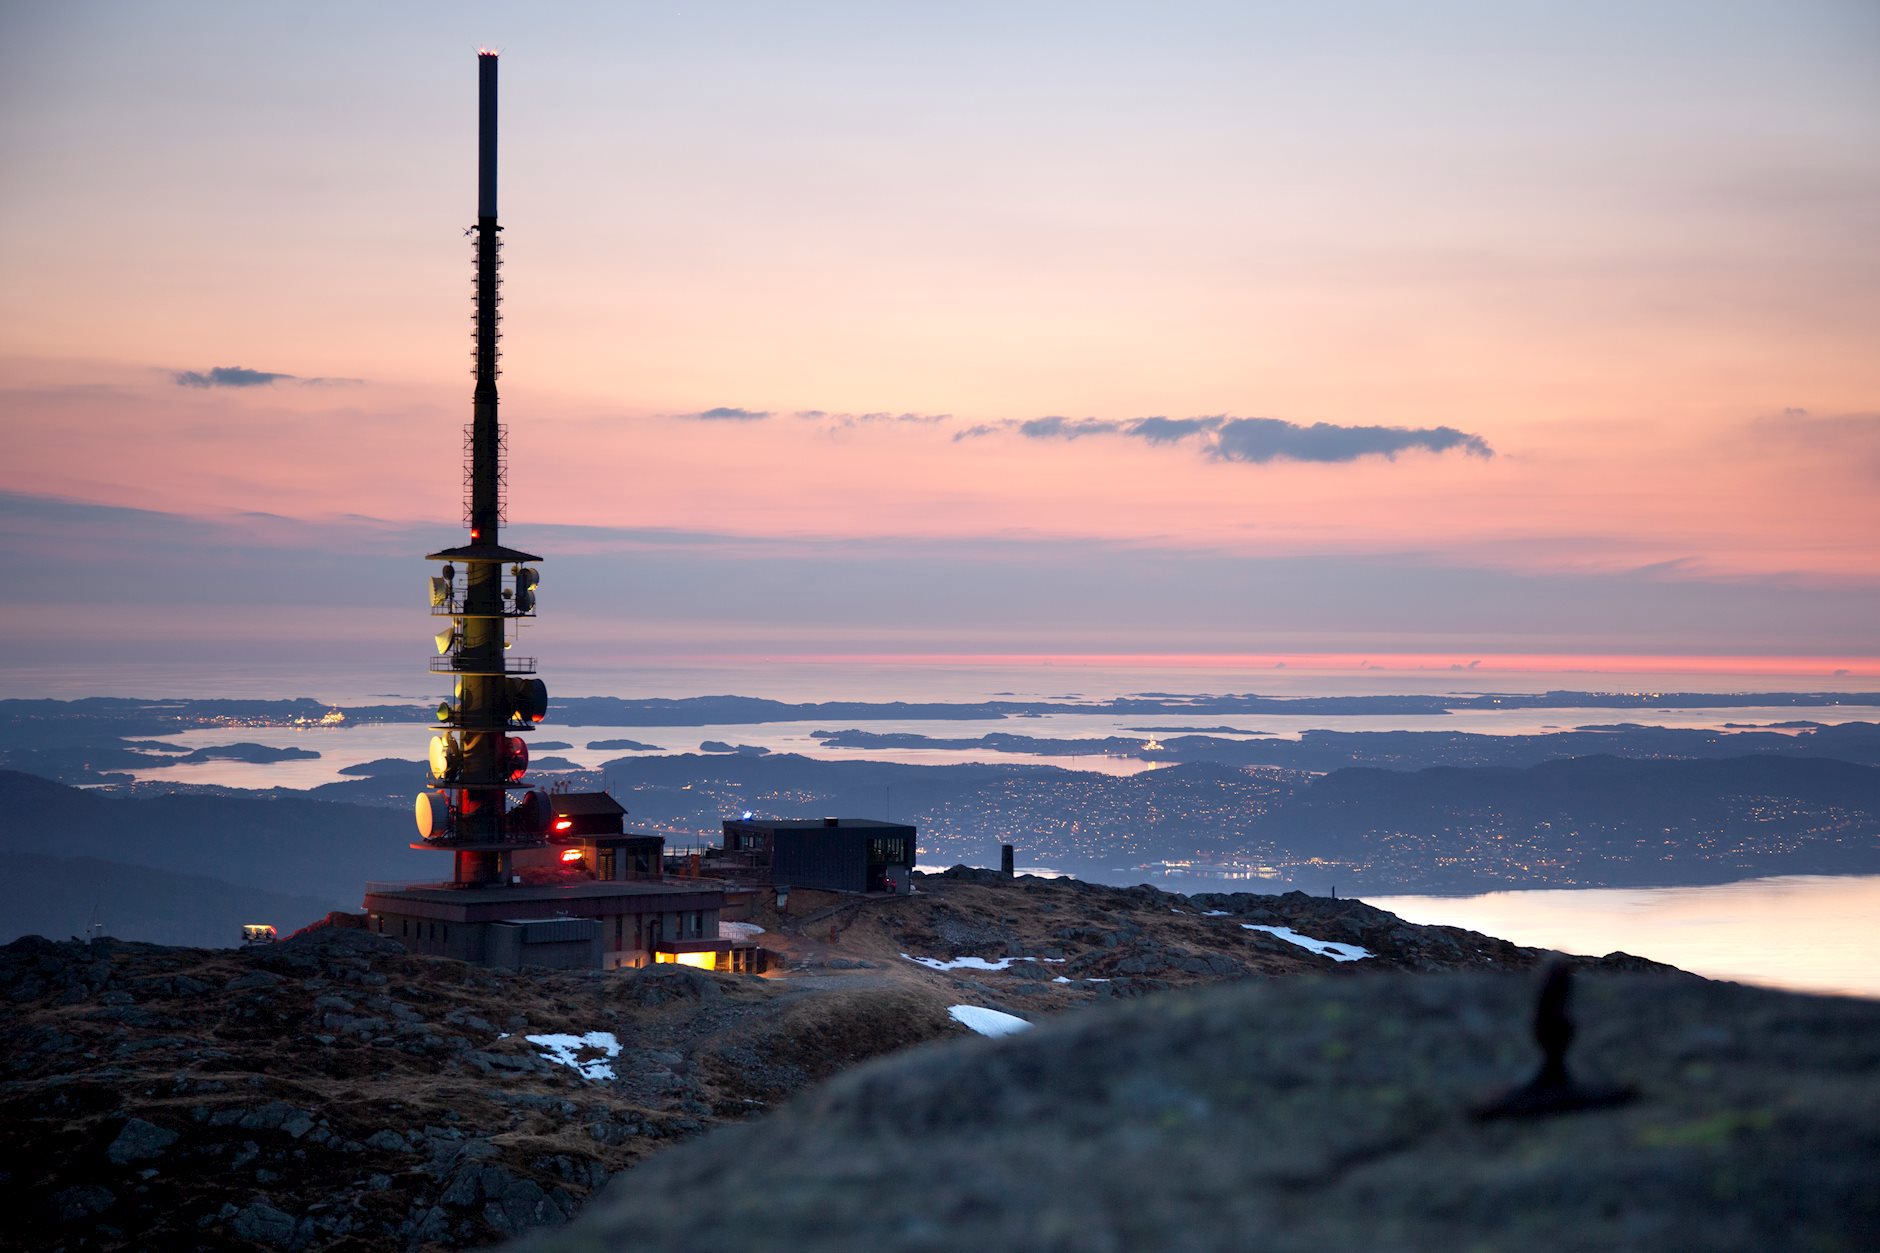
column 444, row 711
column 442, row 593
column 528, row 699
column 515, row 757
column 446, row 639
column 531, row 815
column 433, row 814
column 445, row 756
column 525, row 600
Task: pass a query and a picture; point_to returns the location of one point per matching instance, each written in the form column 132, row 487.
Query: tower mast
column 478, row 760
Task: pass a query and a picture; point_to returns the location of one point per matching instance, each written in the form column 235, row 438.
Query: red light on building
column 563, row 824
column 573, row 854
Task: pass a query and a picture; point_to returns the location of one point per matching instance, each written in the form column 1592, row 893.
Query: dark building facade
column 839, row 854
column 591, row 925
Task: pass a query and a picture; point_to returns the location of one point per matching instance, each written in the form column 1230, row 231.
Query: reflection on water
column 1812, row 933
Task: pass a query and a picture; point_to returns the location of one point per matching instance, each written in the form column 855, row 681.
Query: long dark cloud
column 241, row 376
column 727, row 413
column 1067, row 428
column 1256, row 440
column 228, row 376
column 1270, row 439
column 733, row 413
column 869, row 419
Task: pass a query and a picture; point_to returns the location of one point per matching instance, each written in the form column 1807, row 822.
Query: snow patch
column 739, row 931
column 985, row 1021
column 1215, row 913
column 1324, row 948
column 977, row 963
column 566, row 1050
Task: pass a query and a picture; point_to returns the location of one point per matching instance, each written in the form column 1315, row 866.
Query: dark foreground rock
column 332, row 1092
column 1307, row 1114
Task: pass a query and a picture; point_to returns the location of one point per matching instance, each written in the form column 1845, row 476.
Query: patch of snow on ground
column 1215, row 913
column 986, row 1021
column 566, row 1050
column 739, row 931
column 976, row 963
column 1060, row 979
column 1324, row 948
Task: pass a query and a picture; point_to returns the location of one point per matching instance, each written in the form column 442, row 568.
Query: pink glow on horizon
column 1654, row 301
column 1452, row 663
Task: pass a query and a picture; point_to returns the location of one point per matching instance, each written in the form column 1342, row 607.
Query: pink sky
column 1635, row 254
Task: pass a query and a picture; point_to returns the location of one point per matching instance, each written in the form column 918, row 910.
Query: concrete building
column 568, row 925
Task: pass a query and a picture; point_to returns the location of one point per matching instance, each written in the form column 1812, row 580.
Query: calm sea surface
column 1809, row 933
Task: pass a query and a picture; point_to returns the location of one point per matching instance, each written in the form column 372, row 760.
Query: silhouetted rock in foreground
column 1307, row 1114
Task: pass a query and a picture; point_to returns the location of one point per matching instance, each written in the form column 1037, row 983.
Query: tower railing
column 454, row 663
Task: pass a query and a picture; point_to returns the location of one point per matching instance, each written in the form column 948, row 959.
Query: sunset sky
column 1460, row 330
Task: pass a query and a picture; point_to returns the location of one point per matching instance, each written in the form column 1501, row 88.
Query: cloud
column 1171, row 430
column 829, row 419
column 241, row 376
column 840, row 420
column 228, row 376
column 1067, row 428
column 726, row 413
column 1270, row 439
column 983, row 428
column 1254, row 440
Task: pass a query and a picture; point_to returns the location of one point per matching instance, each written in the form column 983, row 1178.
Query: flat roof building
column 838, row 854
column 609, row 924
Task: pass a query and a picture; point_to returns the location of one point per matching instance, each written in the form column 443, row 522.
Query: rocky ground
column 1304, row 1115
column 333, row 1092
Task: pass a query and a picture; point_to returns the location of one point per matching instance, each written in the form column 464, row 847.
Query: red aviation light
column 573, row 854
column 564, row 824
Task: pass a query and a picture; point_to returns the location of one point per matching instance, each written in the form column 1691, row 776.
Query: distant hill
column 60, row 896
column 1590, row 821
column 283, row 844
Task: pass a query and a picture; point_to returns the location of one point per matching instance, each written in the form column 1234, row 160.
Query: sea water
column 1810, row 933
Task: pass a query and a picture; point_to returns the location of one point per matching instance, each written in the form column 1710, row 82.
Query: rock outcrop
column 1307, row 1115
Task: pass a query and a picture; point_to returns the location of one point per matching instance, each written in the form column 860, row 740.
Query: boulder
column 140, row 1141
